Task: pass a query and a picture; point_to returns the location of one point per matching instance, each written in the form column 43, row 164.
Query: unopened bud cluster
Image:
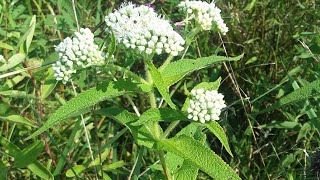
column 75, row 53
column 139, row 27
column 205, row 14
column 205, row 105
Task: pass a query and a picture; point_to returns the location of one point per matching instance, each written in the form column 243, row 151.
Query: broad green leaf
column 175, row 71
column 17, row 119
column 199, row 155
column 161, row 114
column 160, row 84
column 142, row 135
column 13, row 61
column 104, row 91
column 218, row 131
column 35, row 167
column 113, row 166
column 78, row 170
column 183, row 169
column 29, row 154
column 306, row 92
column 209, row 85
column 311, row 113
column 30, row 32
column 187, row 171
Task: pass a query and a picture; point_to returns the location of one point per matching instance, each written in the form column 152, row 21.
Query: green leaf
column 160, row 84
column 281, row 125
column 209, row 85
column 183, row 169
column 122, row 116
column 304, row 130
column 78, row 170
column 218, row 131
column 187, row 171
column 199, row 155
column 113, row 166
column 5, row 46
column 175, row 71
column 13, row 81
column 13, row 61
column 29, row 154
column 112, row 45
column 35, row 167
column 104, row 91
column 49, row 84
column 306, row 92
column 30, row 32
column 4, row 170
column 17, row 94
column 70, row 143
column 161, row 114
column 141, row 134
column 17, row 119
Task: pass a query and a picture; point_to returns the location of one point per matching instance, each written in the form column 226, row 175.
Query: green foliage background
column 280, row 41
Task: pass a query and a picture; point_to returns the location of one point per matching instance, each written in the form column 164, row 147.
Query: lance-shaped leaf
column 161, row 114
column 13, row 61
column 218, row 131
column 160, row 84
column 175, row 71
column 17, row 119
column 306, row 92
column 183, row 169
column 104, row 91
column 199, row 156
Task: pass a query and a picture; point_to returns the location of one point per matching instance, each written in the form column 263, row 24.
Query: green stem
column 156, row 127
column 169, row 129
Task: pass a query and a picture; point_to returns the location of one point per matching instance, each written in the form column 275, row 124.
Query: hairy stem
column 156, row 127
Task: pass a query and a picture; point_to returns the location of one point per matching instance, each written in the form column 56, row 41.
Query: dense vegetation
column 272, row 93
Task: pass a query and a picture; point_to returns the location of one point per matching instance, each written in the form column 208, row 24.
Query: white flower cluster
column 139, row 27
column 1, row 57
column 205, row 14
column 76, row 53
column 205, row 105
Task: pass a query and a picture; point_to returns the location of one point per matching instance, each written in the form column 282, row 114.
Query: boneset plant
column 141, row 29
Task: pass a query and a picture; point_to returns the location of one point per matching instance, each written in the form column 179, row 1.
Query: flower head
column 205, row 105
column 205, row 14
column 139, row 27
column 75, row 53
